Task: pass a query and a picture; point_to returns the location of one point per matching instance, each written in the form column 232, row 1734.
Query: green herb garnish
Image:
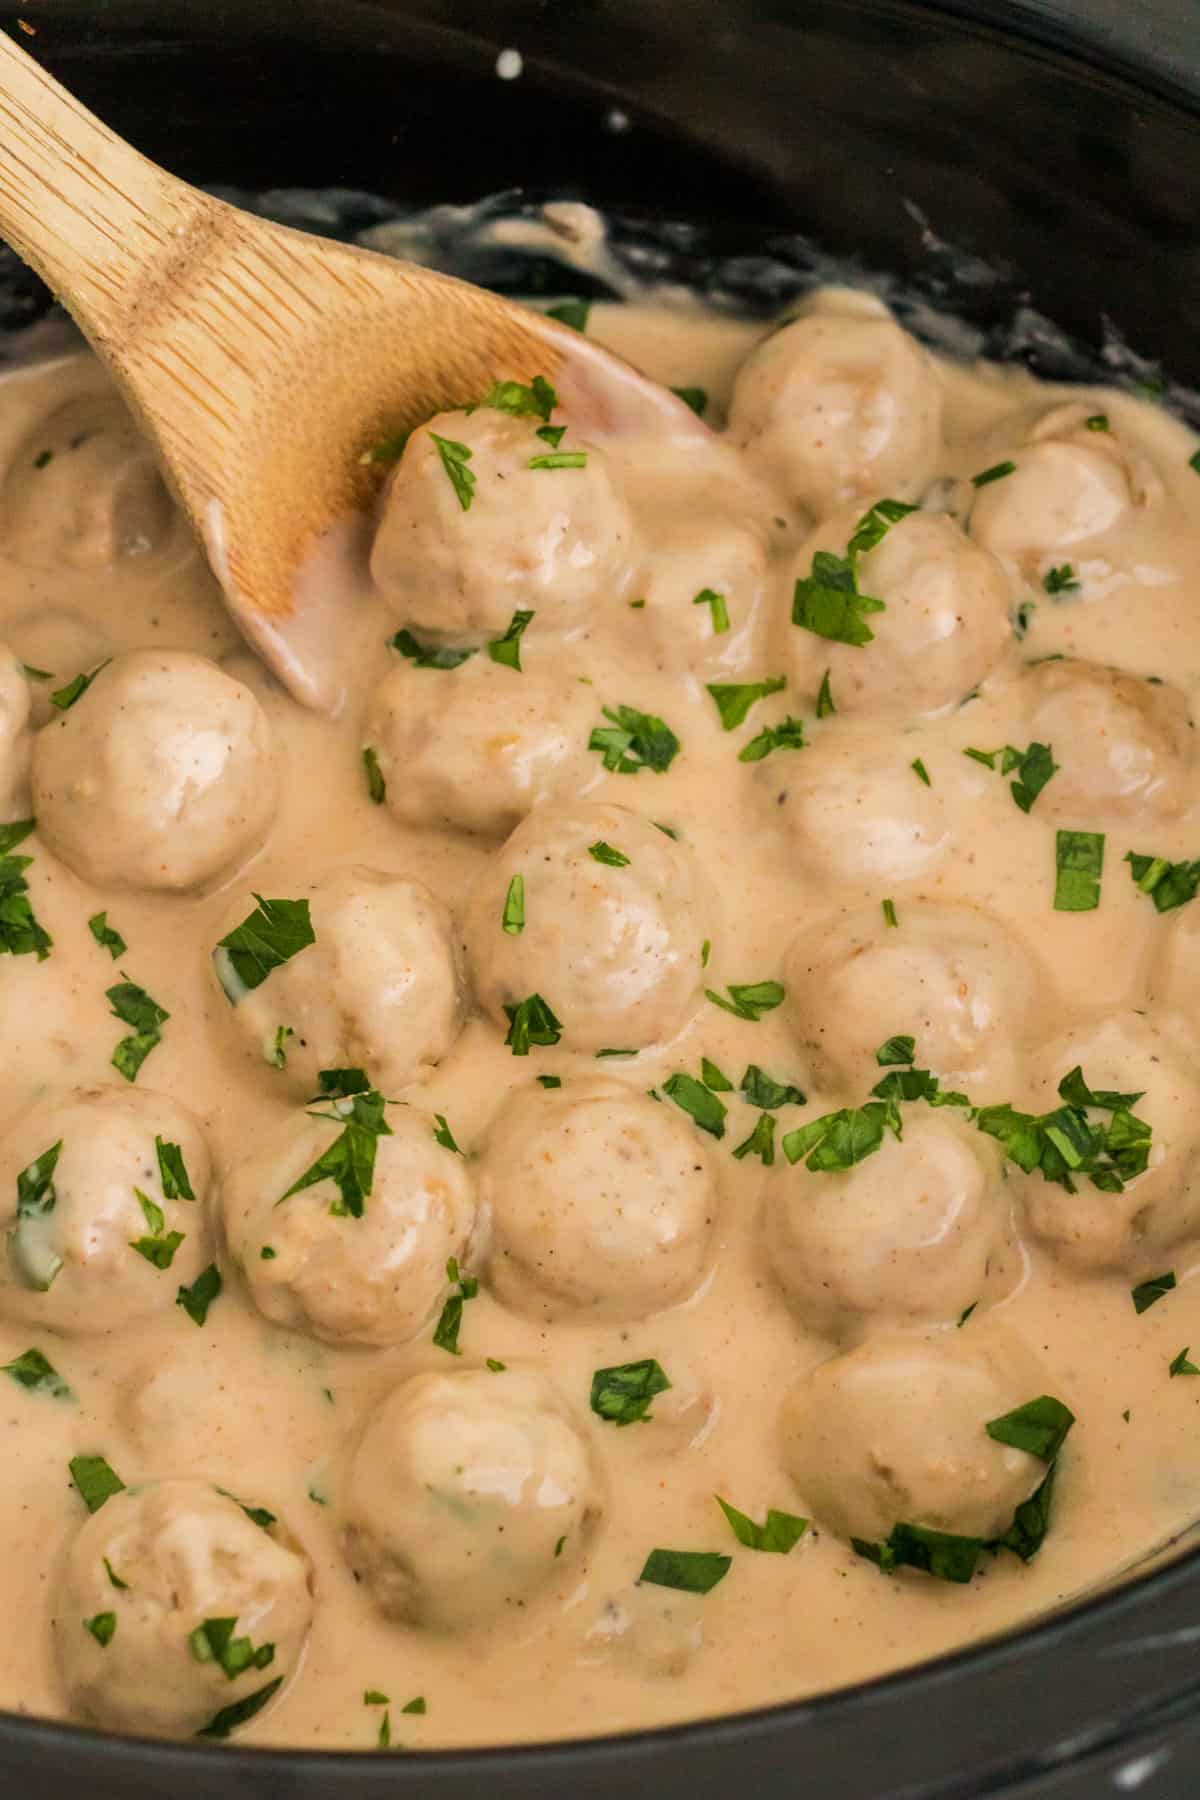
column 537, row 401
column 446, row 1331
column 787, row 735
column 34, row 1371
column 1079, row 864
column 268, row 937
column 997, row 472
column 430, row 656
column 720, row 611
column 1168, row 884
column 698, row 1101
column 20, row 932
column 1060, row 579
column 241, row 1711
column 758, row 1089
column 749, row 1000
column 1148, row 1293
column 95, row 1481
column 105, row 936
column 172, row 1171
column 349, row 1162
column 691, row 1571
column 622, row 1395
column 761, row 1142
column 103, row 1627
column 506, row 650
column 734, row 699
column 1039, row 1427
column 196, row 1299
column 65, row 697
column 512, row 918
column 634, row 741
column 133, row 1006
column 213, row 1641
column 781, row 1533
column 376, row 785
column 695, row 397
column 531, row 1022
column 454, row 458
column 607, row 853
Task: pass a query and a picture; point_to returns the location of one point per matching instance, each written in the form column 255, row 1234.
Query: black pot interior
column 1007, row 179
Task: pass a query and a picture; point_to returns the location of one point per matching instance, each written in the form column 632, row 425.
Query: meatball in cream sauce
column 649, row 1165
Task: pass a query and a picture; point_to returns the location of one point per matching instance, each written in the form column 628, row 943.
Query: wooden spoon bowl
column 265, row 363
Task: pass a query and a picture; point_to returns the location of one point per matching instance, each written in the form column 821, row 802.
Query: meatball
column 161, row 775
column 949, row 975
column 839, row 405
column 104, row 1209
column 706, row 588
column 84, row 493
column 613, row 949
column 857, row 812
column 944, row 626
column 1092, row 1231
column 1123, row 744
column 211, row 1608
column 552, row 541
column 911, row 1236
column 467, row 1493
column 313, row 1267
column 1070, row 485
column 378, row 989
column 894, row 1432
column 14, row 734
column 478, row 747
column 597, row 1200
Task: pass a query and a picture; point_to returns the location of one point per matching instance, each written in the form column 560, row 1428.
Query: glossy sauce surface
column 775, row 871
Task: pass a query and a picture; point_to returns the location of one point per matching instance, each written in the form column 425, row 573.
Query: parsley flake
column 106, row 937
column 430, row 656
column 103, row 1627
column 33, row 1371
column 454, row 458
column 512, row 918
column 734, row 699
column 133, row 1006
column 20, row 932
column 698, row 1101
column 466, row 1287
column 690, row 1571
column 65, row 697
column 749, row 1000
column 695, row 397
column 531, row 1022
column 1180, row 1364
column 720, row 611
column 1149, row 1293
column 761, row 1142
column 622, row 1395
column 94, row 1480
column 759, row 1089
column 1168, row 884
column 787, row 735
column 997, row 472
column 780, row 1535
column 376, row 785
column 196, row 1299
column 1060, row 579
column 1079, row 864
column 349, row 1162
column 608, row 854
column 506, row 650
column 268, row 937
column 634, row 741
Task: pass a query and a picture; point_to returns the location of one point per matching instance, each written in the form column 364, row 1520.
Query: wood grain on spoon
column 263, row 362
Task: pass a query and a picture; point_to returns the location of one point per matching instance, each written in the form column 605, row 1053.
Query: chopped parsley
column 1168, row 884
column 896, row 1050
column 133, row 1006
column 240, row 1712
column 749, row 1000
column 1079, row 864
column 572, row 313
column 622, row 1395
column 196, row 1299
column 828, row 602
column 37, row 1262
column 349, row 1162
column 942, row 1554
column 714, row 1078
column 530, row 1021
column 787, row 735
column 34, row 1371
column 1060, row 579
column 512, row 918
column 761, row 1142
column 920, row 771
column 20, row 933
column 430, row 656
column 172, row 1171
column 1033, row 766
column 496, row 1366
column 825, row 706
column 94, row 1480
column 1039, row 1427
column 415, row 1706
column 698, row 1101
column 105, row 936
column 1180, row 1364
column 383, row 1740
column 114, row 1579
column 65, row 697
column 781, row 1533
column 213, row 1641
column 268, row 937
column 838, row 1140
column 1065, row 1143
column 376, row 785
column 997, row 472
column 103, row 1627
column 874, row 526
column 720, row 611
column 535, row 401
column 1097, row 422
column 445, row 1334
column 550, row 1081
column 607, row 853
column 691, row 1571
column 443, row 1135
column 889, row 914
column 633, row 741
column 1149, row 1293
column 758, row 1089
column 386, row 450
column 275, row 1048
column 695, row 397
column 560, row 459
column 158, row 1246
column 506, row 650
column 454, row 458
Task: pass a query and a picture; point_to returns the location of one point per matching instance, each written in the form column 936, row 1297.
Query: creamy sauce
column 786, row 854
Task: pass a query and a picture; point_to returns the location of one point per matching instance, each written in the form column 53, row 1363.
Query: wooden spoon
column 265, row 363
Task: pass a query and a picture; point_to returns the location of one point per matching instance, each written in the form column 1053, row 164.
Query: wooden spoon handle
column 90, row 214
